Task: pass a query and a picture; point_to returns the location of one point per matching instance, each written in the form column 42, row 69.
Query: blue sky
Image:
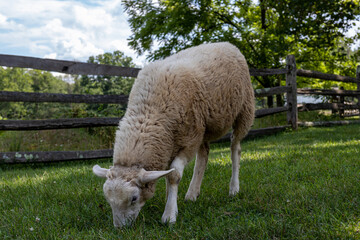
column 64, row 29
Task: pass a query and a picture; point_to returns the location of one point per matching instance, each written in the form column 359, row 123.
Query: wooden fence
column 71, row 67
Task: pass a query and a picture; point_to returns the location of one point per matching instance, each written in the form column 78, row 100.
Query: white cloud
column 95, row 18
column 7, row 24
column 64, row 29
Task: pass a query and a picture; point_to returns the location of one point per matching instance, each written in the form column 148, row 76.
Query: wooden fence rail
column 73, row 67
column 325, row 106
column 67, row 67
column 6, row 96
column 325, row 76
column 358, row 83
column 53, row 156
column 48, row 124
column 264, row 92
column 328, row 92
column 24, row 125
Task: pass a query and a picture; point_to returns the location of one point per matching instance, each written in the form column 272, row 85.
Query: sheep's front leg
column 172, row 183
column 198, row 174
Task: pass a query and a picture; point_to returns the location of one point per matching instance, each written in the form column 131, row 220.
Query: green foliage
column 102, row 84
column 45, row 82
column 295, row 185
column 24, row 80
column 14, row 79
column 265, row 31
column 105, row 85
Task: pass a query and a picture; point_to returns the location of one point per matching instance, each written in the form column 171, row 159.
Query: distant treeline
column 25, row 80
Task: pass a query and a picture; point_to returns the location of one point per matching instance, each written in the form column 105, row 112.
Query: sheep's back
column 199, row 90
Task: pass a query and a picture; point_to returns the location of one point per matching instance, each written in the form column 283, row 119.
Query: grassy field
column 294, row 185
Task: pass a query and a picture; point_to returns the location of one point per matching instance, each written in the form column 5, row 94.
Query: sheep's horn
column 148, row 176
column 99, row 171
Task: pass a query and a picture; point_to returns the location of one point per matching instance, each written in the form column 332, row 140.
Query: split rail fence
column 71, row 67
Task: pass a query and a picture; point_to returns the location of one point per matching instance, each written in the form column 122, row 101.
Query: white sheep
column 176, row 107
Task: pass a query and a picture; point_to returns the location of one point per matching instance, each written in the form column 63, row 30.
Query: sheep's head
column 127, row 189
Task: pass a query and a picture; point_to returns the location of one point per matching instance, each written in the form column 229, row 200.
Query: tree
column 14, row 79
column 43, row 81
column 106, row 85
column 265, row 31
column 24, row 80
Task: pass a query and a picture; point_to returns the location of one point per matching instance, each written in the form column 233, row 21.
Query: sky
column 67, row 29
column 64, row 29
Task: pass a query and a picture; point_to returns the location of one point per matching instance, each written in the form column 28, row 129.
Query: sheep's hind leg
column 172, row 183
column 241, row 126
column 198, row 174
column 235, row 158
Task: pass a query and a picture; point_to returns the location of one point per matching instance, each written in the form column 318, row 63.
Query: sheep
column 176, row 107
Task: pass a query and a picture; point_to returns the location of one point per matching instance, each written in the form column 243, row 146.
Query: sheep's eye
column 134, row 198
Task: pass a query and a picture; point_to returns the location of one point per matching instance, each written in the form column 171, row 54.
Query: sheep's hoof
column 191, row 196
column 233, row 192
column 169, row 216
column 171, row 219
column 234, row 189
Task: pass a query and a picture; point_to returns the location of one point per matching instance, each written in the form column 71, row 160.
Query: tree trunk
column 263, row 15
column 279, row 97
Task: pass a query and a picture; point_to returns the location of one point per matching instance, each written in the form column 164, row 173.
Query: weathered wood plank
column 269, row 111
column 324, row 106
column 351, row 114
column 264, row 92
column 73, row 67
column 267, row 72
column 6, row 96
column 255, row 133
column 324, row 76
column 328, row 92
column 358, row 84
column 342, row 101
column 68, row 67
column 54, row 156
column 89, row 122
column 57, row 123
column 266, row 131
column 327, row 123
column 291, row 96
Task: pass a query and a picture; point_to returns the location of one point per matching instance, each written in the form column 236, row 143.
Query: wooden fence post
column 358, row 84
column 291, row 97
column 342, row 105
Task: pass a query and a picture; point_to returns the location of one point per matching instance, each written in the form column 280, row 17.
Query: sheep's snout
column 121, row 219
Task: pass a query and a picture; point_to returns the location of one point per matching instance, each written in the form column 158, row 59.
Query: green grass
column 294, row 185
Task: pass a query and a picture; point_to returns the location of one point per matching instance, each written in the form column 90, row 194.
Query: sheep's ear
column 148, row 176
column 100, row 172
